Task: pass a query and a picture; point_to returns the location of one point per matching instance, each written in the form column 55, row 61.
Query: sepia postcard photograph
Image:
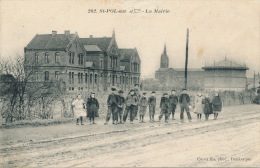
column 129, row 83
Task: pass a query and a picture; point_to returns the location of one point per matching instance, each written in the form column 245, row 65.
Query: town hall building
column 84, row 64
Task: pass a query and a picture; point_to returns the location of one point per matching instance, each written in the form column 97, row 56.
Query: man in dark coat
column 152, row 105
column 92, row 108
column 164, row 105
column 112, row 103
column 131, row 103
column 173, row 103
column 121, row 104
column 184, row 103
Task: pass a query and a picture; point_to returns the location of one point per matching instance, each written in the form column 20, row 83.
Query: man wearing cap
column 121, row 104
column 112, row 103
column 164, row 105
column 131, row 103
column 173, row 103
column 184, row 103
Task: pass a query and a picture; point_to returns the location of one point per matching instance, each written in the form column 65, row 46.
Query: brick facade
column 82, row 64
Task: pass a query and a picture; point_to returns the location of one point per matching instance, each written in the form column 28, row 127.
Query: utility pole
column 186, row 60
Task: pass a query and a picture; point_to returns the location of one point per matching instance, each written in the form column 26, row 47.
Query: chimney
column 90, row 36
column 66, row 32
column 54, row 32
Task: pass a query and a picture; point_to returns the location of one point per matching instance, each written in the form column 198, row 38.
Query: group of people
column 120, row 108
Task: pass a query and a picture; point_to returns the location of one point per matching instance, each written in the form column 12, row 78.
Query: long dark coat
column 217, row 104
column 207, row 109
column 92, row 107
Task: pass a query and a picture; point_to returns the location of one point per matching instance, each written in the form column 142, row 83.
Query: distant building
column 82, row 64
column 225, row 75
column 174, row 77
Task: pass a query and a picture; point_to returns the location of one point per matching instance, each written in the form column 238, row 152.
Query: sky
column 218, row 28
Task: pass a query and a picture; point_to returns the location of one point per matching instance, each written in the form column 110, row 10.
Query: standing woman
column 92, row 108
column 207, row 106
column 198, row 106
column 217, row 105
column 79, row 109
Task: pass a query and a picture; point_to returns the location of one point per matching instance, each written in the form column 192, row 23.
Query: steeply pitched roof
column 92, row 48
column 102, row 43
column 49, row 41
column 226, row 64
column 126, row 53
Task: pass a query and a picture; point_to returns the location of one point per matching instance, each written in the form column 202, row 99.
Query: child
column 199, row 106
column 152, row 105
column 173, row 103
column 112, row 103
column 79, row 109
column 143, row 105
column 207, row 109
column 217, row 105
column 164, row 105
column 92, row 108
column 131, row 103
column 120, row 105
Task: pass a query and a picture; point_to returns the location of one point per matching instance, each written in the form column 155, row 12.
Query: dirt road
column 233, row 140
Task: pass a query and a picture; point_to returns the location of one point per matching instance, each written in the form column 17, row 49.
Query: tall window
column 101, row 64
column 72, row 58
column 46, row 75
column 80, row 59
column 120, row 81
column 96, row 78
column 81, row 55
column 86, row 78
column 70, row 77
column 57, row 57
column 47, row 57
column 81, row 77
column 116, row 62
column 78, row 77
column 123, row 80
column 36, row 57
column 56, row 75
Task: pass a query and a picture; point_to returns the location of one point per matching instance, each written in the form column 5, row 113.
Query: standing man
column 164, row 105
column 152, row 105
column 112, row 103
column 137, row 94
column 121, row 104
column 173, row 103
column 184, row 103
column 131, row 103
